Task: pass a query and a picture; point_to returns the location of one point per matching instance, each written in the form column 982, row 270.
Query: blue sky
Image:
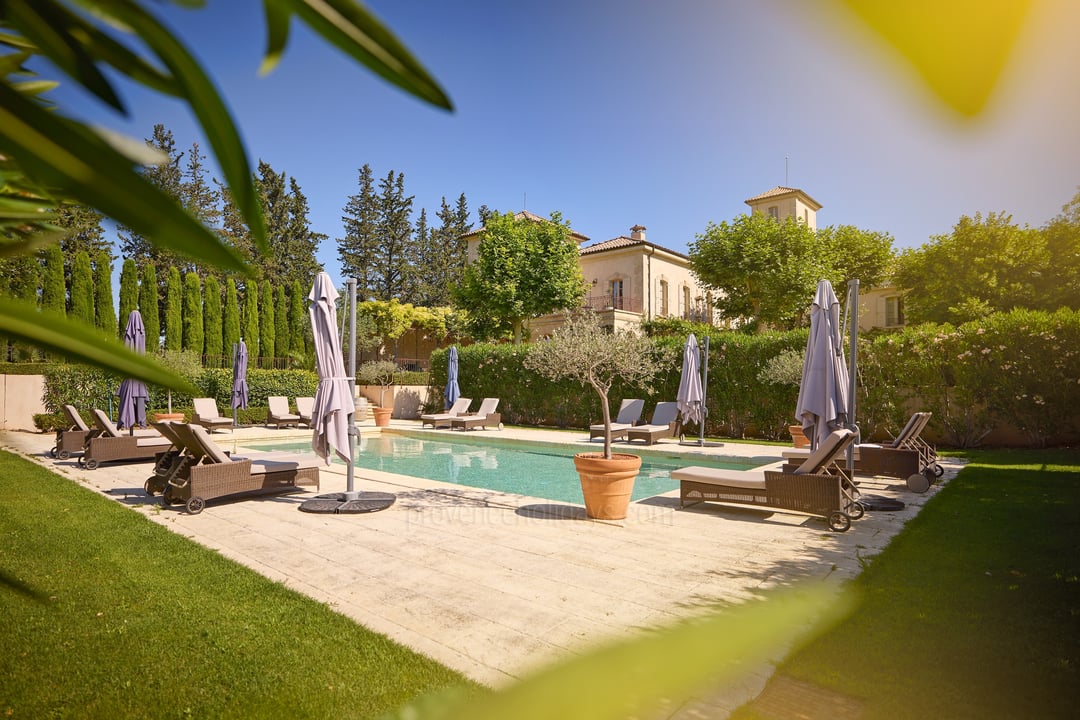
column 624, row 112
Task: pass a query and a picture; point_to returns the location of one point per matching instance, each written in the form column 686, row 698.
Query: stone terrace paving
column 493, row 584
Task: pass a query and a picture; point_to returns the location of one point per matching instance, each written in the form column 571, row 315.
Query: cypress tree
column 193, row 314
column 149, row 308
column 129, row 294
column 299, row 322
column 23, row 278
column 212, row 320
column 174, row 314
column 281, row 322
column 266, row 320
column 230, row 323
column 104, row 311
column 82, row 290
column 250, row 321
column 52, row 281
column 357, row 249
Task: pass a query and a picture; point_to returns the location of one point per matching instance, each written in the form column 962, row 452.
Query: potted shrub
column 187, row 364
column 381, row 373
column 583, row 351
column 786, row 369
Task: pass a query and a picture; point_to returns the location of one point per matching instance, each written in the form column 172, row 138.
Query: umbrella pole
column 704, row 392
column 349, row 471
column 853, row 365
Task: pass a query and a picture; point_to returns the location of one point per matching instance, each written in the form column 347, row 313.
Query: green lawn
column 107, row 614
column 973, row 611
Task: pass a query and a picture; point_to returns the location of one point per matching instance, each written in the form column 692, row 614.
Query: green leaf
column 632, row 677
column 356, row 32
column 58, row 153
column 49, row 26
column 277, row 35
column 23, row 322
column 204, row 100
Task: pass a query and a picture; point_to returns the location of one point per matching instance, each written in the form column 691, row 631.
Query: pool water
column 532, row 469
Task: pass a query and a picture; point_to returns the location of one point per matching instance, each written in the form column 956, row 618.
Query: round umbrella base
column 348, row 503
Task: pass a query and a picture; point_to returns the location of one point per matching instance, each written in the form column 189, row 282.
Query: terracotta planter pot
column 382, row 416
column 801, row 441
column 607, row 484
column 163, row 417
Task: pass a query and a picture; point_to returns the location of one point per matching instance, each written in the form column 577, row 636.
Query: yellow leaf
column 959, row 47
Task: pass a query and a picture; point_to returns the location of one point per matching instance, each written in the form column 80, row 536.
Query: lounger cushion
column 715, row 476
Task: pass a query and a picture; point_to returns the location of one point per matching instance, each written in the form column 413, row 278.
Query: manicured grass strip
column 107, row 614
column 973, row 611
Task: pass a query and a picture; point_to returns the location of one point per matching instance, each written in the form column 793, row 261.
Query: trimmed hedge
column 1010, row 370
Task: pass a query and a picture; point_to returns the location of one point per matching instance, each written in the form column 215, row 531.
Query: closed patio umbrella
column 133, row 394
column 690, row 398
column 331, row 416
column 823, row 393
column 239, row 382
column 453, row 392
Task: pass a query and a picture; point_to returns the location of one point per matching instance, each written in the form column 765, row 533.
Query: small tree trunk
column 607, row 422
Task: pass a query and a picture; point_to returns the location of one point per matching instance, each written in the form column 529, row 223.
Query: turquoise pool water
column 532, row 469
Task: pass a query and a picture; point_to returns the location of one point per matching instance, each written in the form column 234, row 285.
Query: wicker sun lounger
column 206, row 414
column 662, row 424
column 629, row 413
column 107, row 444
column 73, row 439
column 438, row 420
column 814, row 488
column 483, row 417
column 220, row 475
column 907, row 457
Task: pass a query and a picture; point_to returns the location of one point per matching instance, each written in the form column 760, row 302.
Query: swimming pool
column 533, row 469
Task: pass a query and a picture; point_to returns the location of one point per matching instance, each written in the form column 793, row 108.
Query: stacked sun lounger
column 107, row 444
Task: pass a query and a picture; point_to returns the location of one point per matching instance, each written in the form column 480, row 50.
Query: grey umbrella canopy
column 133, row 394
column 823, row 393
column 452, row 392
column 690, row 398
column 331, row 415
column 239, row 382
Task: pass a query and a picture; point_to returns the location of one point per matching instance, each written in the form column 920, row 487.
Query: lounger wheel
column 167, row 497
column 146, row 487
column 195, row 505
column 91, row 463
column 856, row 510
column 839, row 522
column 937, row 470
column 62, row 454
column 500, row 426
column 917, row 482
column 52, row 452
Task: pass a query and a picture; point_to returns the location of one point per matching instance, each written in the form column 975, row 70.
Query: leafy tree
column 984, row 265
column 212, row 318
column 395, row 234
column 524, row 269
column 129, row 294
column 82, row 290
column 356, row 250
column 104, row 310
column 856, row 254
column 149, row 308
column 230, row 324
column 249, row 322
column 388, row 320
column 442, row 260
column 193, row 335
column 420, row 281
column 1061, row 277
column 234, row 231
column 267, row 327
column 198, row 196
column 763, row 270
column 83, row 232
column 174, row 313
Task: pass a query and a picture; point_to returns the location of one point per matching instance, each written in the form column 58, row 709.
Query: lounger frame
column 214, row 480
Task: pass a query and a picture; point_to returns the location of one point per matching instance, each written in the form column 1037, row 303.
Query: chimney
column 637, row 233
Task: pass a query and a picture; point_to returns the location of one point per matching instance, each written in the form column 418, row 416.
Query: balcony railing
column 630, row 303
